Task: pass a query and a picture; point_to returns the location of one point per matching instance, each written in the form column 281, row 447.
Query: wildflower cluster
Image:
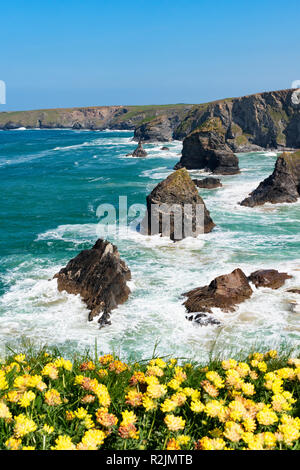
column 52, row 403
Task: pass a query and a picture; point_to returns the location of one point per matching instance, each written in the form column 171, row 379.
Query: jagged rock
column 268, row 278
column 283, row 185
column 165, row 148
column 203, row 319
column 208, row 183
column 224, row 292
column 139, row 151
column 99, row 276
column 205, row 148
column 179, row 189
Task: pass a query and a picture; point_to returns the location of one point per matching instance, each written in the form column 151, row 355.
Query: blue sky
column 81, row 53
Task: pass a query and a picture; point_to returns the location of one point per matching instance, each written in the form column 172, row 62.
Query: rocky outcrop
column 99, row 276
column 177, row 189
column 224, row 292
column 283, row 185
column 268, row 278
column 253, row 122
column 165, row 148
column 206, row 148
column 157, row 130
column 208, row 183
column 139, row 151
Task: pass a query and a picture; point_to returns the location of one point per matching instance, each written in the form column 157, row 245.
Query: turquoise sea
column 52, row 182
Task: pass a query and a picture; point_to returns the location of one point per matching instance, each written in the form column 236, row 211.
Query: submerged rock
column 177, row 189
column 208, row 183
column 206, row 148
column 99, row 276
column 139, row 151
column 283, row 185
column 268, row 278
column 224, row 292
column 164, row 148
column 203, row 319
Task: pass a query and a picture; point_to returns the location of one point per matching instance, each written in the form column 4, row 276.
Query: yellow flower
column 207, row 443
column 148, row 403
column 80, row 413
column 92, row 440
column 52, row 397
column 290, row 433
column 233, row 431
column 249, row 424
column 266, row 417
column 168, row 405
column 26, row 399
column 248, row 389
column 173, row 444
column 174, row 423
column 215, row 378
column 23, row 425
column 4, row 411
column 50, row 370
column 3, row 381
column 48, row 429
column 134, row 398
column 63, row 363
column 183, row 439
column 197, row 406
column 63, row 442
column 269, row 439
column 20, row 358
column 128, row 417
column 13, row 444
column 28, row 448
column 156, row 390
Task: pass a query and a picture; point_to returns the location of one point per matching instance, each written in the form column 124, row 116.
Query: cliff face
column 103, row 117
column 264, row 120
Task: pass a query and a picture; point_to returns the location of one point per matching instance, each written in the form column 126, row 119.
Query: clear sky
column 62, row 53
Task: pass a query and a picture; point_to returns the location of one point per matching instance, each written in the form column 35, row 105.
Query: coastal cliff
column 249, row 123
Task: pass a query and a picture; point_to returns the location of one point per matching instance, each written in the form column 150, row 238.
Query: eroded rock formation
column 99, row 276
column 224, row 292
column 283, row 185
column 139, row 151
column 177, row 189
column 268, row 278
column 206, row 148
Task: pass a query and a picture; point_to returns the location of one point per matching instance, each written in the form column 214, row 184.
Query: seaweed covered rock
column 206, row 148
column 224, row 292
column 99, row 276
column 167, row 201
column 208, row 183
column 268, row 278
column 283, row 185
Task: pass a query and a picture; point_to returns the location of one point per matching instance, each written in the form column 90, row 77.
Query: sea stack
column 99, row 276
column 206, row 148
column 139, row 151
column 283, row 185
column 224, row 292
column 177, row 189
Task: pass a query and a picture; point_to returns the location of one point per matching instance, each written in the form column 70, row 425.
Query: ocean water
column 52, row 182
